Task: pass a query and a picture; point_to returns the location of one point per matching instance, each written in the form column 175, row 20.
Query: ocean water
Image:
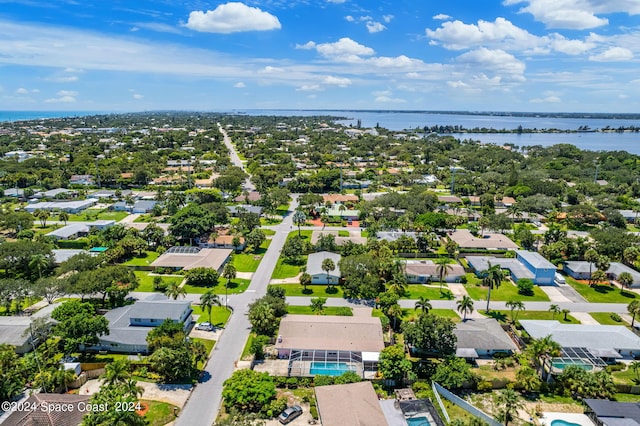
column 34, row 115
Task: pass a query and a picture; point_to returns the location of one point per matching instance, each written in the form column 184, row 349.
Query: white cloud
column 343, row 49
column 575, row 14
column 64, row 93
column 441, row 17
column 349, row 18
column 551, row 99
column 375, row 27
column 389, row 100
column 156, row 26
column 61, row 99
column 22, row 91
column 387, row 18
column 240, row 85
column 337, row 81
column 336, row 1
column 309, row 88
column 613, row 54
column 503, row 64
column 570, row 47
column 138, row 96
column 232, row 17
column 457, row 84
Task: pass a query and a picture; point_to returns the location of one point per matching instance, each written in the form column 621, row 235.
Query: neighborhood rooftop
column 592, row 336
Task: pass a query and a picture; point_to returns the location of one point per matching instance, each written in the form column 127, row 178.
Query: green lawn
column 269, row 232
column 239, row 285
column 248, row 262
column 505, row 316
column 304, row 234
column 96, row 214
column 160, row 413
column 627, row 376
column 506, row 291
column 605, row 318
column 602, row 293
column 25, row 304
column 219, row 315
column 284, row 270
column 414, row 291
column 328, row 310
column 145, row 260
column 412, row 314
column 312, row 290
column 146, row 280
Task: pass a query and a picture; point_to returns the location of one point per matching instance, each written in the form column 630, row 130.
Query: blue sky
column 487, row 55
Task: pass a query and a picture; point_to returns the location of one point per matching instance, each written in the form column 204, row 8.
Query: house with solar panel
column 188, row 257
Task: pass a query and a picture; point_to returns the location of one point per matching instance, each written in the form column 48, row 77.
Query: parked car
column 290, row 414
column 205, row 326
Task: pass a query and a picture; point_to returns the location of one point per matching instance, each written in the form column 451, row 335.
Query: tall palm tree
column 208, row 300
column 398, row 283
column 554, row 309
column 625, row 279
column 39, row 262
column 591, row 256
column 229, row 272
column 423, row 304
column 42, row 216
column 513, row 305
column 63, row 216
column 465, row 306
column 510, row 403
column 393, row 313
column 442, row 269
column 327, row 266
column 634, row 309
column 541, row 349
column 299, row 218
column 174, row 290
column 493, row 278
column 305, row 280
column 116, row 372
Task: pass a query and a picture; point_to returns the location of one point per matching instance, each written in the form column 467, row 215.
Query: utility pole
column 595, row 178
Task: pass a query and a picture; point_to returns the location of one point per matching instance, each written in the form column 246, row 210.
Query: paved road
column 235, row 159
column 204, row 403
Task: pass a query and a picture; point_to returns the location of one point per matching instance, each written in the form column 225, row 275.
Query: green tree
column 509, row 403
column 317, row 305
column 528, row 379
column 248, row 391
column 393, row 363
column 634, row 309
column 443, row 268
column 12, row 379
column 305, row 280
column 454, row 373
column 299, row 219
column 514, row 305
column 78, row 325
column 591, row 256
column 40, row 263
column 116, row 372
column 262, row 317
column 625, row 279
column 202, row 277
column 328, row 266
column 42, row 216
column 255, row 238
column 208, row 300
column 465, row 306
column 423, row 304
column 493, row 277
column 431, row 334
column 175, row 290
column 554, row 309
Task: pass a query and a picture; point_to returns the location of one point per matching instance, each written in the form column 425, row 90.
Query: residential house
column 356, row 239
column 581, row 270
column 81, row 180
column 488, row 241
column 392, row 236
column 244, row 208
column 426, row 271
column 221, row 241
column 14, row 330
column 342, row 213
column 73, row 207
column 49, row 409
column 349, row 404
column 317, row 344
column 527, row 264
column 318, row 275
column 482, row 338
column 603, row 412
column 449, row 199
column 339, row 198
column 62, row 255
column 14, row 192
column 187, row 257
column 79, row 229
column 143, row 206
column 130, row 325
column 249, row 197
column 56, row 193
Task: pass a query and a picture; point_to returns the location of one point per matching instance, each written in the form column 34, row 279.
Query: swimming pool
column 419, row 421
column 329, row 368
column 561, row 364
column 563, row 423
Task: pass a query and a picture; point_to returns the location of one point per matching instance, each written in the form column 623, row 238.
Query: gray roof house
column 612, row 413
column 129, row 325
column 14, row 330
column 480, row 337
column 143, row 206
column 581, row 270
column 248, row 208
column 318, row 275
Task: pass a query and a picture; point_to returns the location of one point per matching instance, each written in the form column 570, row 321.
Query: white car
column 205, row 326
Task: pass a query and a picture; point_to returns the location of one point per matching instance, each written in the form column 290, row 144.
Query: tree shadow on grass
column 307, row 291
column 331, row 290
column 446, row 294
column 500, row 316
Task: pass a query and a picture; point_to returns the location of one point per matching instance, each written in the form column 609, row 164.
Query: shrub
column 618, row 366
column 313, row 410
column 159, row 284
column 276, row 406
column 344, row 311
column 323, row 380
column 280, row 381
column 525, row 287
column 292, row 383
column 615, row 317
column 464, row 279
column 484, row 386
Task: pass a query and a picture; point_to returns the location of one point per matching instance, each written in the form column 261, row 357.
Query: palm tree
column 174, row 290
column 423, row 304
column 513, row 305
column 625, row 279
column 398, row 283
column 554, row 309
column 299, row 218
column 541, row 349
column 465, row 306
column 510, row 402
column 635, row 365
column 566, row 312
column 493, row 278
column 591, row 256
column 116, row 372
column 39, row 262
column 317, row 304
column 634, row 309
column 327, row 266
column 305, row 280
column 42, row 216
column 63, row 216
column 208, row 300
column 442, row 269
column 394, row 312
column 229, row 272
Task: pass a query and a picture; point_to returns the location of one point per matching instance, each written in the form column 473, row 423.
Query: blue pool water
column 563, row 423
column 329, row 368
column 418, row 421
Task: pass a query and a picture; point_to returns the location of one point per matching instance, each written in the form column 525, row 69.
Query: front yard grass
column 602, row 293
column 605, row 318
column 285, row 270
column 506, row 291
column 505, row 316
column 90, row 215
column 238, row 285
column 219, row 315
column 146, row 281
column 143, row 260
column 160, row 413
column 328, row 310
column 249, row 261
column 312, row 290
column 414, row 291
column 410, row 314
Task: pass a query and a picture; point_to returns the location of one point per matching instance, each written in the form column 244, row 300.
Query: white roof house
column 318, row 275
